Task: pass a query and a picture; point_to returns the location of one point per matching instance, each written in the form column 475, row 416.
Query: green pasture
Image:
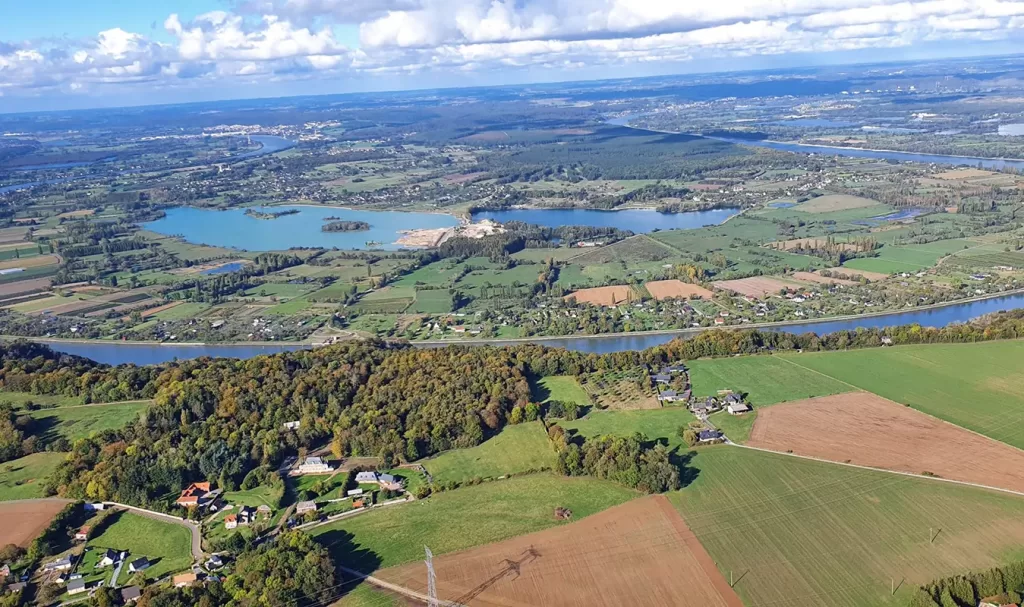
column 515, row 449
column 765, row 380
column 559, row 387
column 23, row 478
column 656, row 424
column 83, row 421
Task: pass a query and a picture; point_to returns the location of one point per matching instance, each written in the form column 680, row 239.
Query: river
column 638, row 221
column 144, row 354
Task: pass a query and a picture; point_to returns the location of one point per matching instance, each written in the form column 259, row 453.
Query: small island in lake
column 345, row 226
column 269, row 215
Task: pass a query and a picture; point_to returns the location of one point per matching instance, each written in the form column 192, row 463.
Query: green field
column 78, row 422
column 22, row 478
column 796, row 532
column 978, row 386
column 365, row 595
column 464, row 518
column 166, row 545
column 765, row 380
column 654, row 423
column 432, row 301
column 515, row 449
column 736, row 427
column 909, row 258
column 560, row 387
column 254, row 498
column 21, row 398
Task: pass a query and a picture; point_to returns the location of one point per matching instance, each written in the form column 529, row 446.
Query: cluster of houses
column 731, row 402
column 62, row 571
column 17, row 585
column 666, row 378
column 246, row 516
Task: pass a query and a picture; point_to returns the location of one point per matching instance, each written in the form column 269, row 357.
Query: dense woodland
column 220, row 419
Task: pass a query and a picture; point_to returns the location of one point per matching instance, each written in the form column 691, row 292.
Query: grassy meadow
column 23, row 478
column 166, row 545
column 464, row 518
column 515, row 449
column 78, row 422
column 654, row 423
column 560, row 387
column 977, row 386
column 796, row 532
column 766, row 380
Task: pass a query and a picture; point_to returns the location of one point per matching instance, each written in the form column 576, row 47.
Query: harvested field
column 831, row 203
column 8, row 235
column 76, row 214
column 159, row 309
column 638, row 553
column 463, row 177
column 24, row 520
column 818, row 278
column 964, row 174
column 667, row 289
column 758, row 286
column 868, row 430
column 24, row 286
column 603, row 296
column 809, row 243
column 30, row 262
column 872, row 276
column 487, row 136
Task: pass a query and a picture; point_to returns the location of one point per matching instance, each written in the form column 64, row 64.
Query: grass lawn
column 736, row 427
column 21, row 398
column 560, row 387
column 765, row 379
column 254, row 498
column 365, row 595
column 796, row 532
column 978, row 386
column 74, row 423
column 654, row 423
column 909, row 258
column 23, row 478
column 432, row 301
column 183, row 311
column 166, row 545
column 464, row 518
column 515, row 449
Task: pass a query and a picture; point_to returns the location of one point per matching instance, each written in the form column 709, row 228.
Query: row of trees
column 1005, row 583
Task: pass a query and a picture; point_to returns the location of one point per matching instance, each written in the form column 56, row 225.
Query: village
column 673, row 386
column 218, row 523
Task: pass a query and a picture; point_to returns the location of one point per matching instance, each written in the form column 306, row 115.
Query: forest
column 221, row 419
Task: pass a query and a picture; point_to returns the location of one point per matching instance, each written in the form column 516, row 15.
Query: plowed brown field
column 872, row 276
column 602, row 296
column 868, row 430
column 24, row 520
column 666, row 289
column 812, row 277
column 639, row 553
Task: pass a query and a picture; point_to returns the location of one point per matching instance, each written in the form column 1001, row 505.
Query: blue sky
column 68, row 53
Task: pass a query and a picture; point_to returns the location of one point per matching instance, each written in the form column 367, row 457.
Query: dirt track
column 867, row 430
column 25, row 519
column 639, row 553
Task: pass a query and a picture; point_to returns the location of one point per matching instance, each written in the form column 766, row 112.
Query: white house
column 315, row 465
column 76, row 586
column 304, row 507
column 738, row 408
column 108, row 558
column 292, row 425
column 368, row 476
column 139, row 564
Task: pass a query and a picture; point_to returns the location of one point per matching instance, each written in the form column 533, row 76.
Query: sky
column 59, row 54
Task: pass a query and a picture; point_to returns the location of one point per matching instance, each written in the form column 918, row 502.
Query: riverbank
column 876, row 150
column 535, row 338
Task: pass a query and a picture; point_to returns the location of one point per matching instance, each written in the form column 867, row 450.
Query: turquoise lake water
column 639, row 221
column 234, row 229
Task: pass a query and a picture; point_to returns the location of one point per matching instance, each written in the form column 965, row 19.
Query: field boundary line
column 375, row 581
column 925, row 413
column 796, row 364
column 898, row 472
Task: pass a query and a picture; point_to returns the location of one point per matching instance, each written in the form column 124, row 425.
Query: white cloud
column 282, row 39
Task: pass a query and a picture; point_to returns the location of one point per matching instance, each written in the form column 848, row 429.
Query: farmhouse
column 674, row 369
column 304, row 507
column 94, row 507
column 292, row 425
column 352, row 492
column 368, row 476
column 669, row 396
column 76, row 586
column 263, row 509
column 58, row 565
column 214, row 562
column 82, row 534
column 661, row 378
column 184, row 579
column 108, row 558
column 231, row 521
column 738, row 408
column 139, row 564
column 130, row 594
column 709, row 436
column 196, row 494
column 315, row 465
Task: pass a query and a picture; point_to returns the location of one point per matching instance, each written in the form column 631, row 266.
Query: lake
column 146, row 354
column 234, row 229
column 269, row 145
column 639, row 221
